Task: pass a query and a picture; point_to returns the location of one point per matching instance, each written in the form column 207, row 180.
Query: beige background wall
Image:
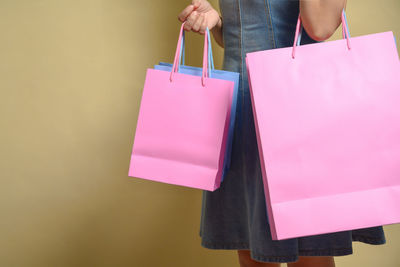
column 71, row 77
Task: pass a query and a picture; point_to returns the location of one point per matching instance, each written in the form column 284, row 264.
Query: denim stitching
column 369, row 240
column 270, row 25
column 242, row 67
column 279, row 258
column 241, row 59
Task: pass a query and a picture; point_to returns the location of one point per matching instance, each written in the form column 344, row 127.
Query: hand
column 199, row 15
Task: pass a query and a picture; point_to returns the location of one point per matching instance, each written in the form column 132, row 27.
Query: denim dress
column 235, row 215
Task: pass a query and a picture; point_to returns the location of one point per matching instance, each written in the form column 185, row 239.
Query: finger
column 185, row 13
column 201, row 5
column 196, row 4
column 203, row 27
column 198, row 22
column 191, row 19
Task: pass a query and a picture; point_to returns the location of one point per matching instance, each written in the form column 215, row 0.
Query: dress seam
column 279, row 258
column 271, row 24
column 369, row 240
column 242, row 68
column 241, row 60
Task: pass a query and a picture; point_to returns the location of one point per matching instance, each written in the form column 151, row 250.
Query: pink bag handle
column 204, row 74
column 345, row 33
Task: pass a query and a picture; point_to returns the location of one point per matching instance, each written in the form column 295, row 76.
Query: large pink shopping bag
column 182, row 127
column 328, row 127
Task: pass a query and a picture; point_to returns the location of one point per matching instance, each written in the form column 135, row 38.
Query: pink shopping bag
column 328, row 126
column 182, row 127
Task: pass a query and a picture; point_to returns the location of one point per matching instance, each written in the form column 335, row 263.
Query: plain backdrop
column 71, row 79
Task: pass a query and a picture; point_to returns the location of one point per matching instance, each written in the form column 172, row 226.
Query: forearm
column 321, row 18
column 217, row 33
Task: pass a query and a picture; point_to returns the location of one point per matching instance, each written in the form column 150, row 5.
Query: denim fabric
column 235, row 216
